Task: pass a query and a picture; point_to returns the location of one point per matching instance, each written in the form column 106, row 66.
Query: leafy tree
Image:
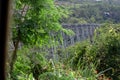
column 36, row 22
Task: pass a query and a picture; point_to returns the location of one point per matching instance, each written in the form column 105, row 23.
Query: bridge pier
column 82, row 32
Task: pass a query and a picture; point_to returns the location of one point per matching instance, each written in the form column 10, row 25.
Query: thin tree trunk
column 14, row 57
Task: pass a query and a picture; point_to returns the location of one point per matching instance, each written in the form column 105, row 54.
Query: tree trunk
column 14, row 57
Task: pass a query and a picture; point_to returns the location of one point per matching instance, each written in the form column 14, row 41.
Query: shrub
column 108, row 48
column 104, row 52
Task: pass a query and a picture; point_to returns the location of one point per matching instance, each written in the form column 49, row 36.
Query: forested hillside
column 91, row 11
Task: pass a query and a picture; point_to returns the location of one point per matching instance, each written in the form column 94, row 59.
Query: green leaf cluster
column 36, row 22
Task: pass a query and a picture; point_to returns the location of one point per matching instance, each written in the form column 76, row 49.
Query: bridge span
column 82, row 32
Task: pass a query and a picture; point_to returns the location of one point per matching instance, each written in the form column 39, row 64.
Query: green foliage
column 79, row 60
column 28, row 64
column 108, row 51
column 78, row 53
column 39, row 25
column 55, row 76
column 37, row 22
column 103, row 53
column 31, row 65
column 22, row 68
